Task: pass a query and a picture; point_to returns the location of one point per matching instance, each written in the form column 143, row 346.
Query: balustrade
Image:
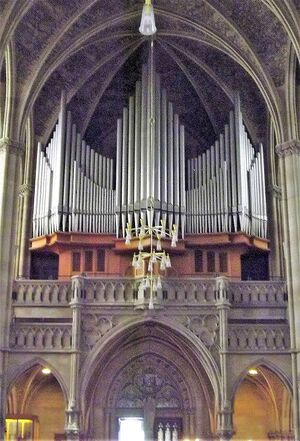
column 120, row 291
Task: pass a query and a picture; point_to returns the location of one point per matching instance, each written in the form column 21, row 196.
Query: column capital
column 25, row 189
column 275, row 191
column 288, row 148
column 11, row 146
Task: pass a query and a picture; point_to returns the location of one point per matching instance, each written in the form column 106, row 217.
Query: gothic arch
column 261, row 362
column 153, row 339
column 265, row 399
column 17, row 371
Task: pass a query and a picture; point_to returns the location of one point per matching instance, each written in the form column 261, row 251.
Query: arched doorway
column 35, row 407
column 149, row 374
column 262, row 407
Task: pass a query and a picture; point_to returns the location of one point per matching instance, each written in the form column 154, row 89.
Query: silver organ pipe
column 154, row 179
column 226, row 184
column 224, row 190
column 74, row 184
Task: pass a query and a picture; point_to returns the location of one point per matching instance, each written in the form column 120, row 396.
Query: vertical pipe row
column 226, row 184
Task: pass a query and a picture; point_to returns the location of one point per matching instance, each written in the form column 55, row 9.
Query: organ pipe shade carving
column 79, row 190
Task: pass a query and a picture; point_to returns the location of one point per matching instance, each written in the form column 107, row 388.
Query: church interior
column 149, row 220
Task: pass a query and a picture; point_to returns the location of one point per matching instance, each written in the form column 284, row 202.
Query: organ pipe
column 74, row 184
column 220, row 190
column 153, row 163
column 226, row 184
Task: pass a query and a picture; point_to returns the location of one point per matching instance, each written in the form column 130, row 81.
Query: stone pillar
column 225, row 424
column 26, row 205
column 289, row 160
column 72, row 428
column 25, row 196
column 10, row 160
column 274, row 194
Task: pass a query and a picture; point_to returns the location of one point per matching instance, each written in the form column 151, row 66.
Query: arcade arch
column 35, row 395
column 262, row 406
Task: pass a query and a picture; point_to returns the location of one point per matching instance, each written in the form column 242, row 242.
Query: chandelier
column 154, row 259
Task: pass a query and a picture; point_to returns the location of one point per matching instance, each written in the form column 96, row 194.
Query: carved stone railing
column 123, row 291
column 256, row 293
column 259, row 337
column 41, row 292
column 40, row 337
column 194, row 303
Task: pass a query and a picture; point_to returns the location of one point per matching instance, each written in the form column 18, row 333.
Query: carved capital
column 288, row 148
column 11, row 146
column 275, row 191
column 25, row 189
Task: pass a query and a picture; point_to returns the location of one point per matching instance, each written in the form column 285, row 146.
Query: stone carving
column 257, row 293
column 94, row 326
column 41, row 338
column 258, row 338
column 40, row 292
column 147, row 378
column 205, row 327
column 288, row 148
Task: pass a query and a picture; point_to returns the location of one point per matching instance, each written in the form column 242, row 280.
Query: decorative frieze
column 257, row 338
column 41, row 337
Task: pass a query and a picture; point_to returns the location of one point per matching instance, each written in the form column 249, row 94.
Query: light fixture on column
column 147, row 26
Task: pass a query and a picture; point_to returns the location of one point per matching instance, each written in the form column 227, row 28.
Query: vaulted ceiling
column 204, row 50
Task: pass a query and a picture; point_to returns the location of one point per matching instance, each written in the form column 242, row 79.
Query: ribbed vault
column 206, row 49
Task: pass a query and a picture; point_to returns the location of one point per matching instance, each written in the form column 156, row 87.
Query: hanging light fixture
column 147, row 26
column 155, row 259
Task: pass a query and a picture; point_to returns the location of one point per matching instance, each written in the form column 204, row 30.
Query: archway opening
column 149, row 375
column 262, row 407
column 131, row 428
column 35, row 407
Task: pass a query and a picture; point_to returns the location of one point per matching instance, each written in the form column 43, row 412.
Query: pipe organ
column 150, row 158
column 226, row 184
column 79, row 190
column 74, row 184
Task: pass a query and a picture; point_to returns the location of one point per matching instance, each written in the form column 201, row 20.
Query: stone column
column 289, row 160
column 72, row 428
column 274, row 194
column 25, row 205
column 225, row 424
column 25, row 196
column 10, row 159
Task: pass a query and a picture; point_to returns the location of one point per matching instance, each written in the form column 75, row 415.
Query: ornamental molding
column 11, row 146
column 25, row 189
column 288, row 148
